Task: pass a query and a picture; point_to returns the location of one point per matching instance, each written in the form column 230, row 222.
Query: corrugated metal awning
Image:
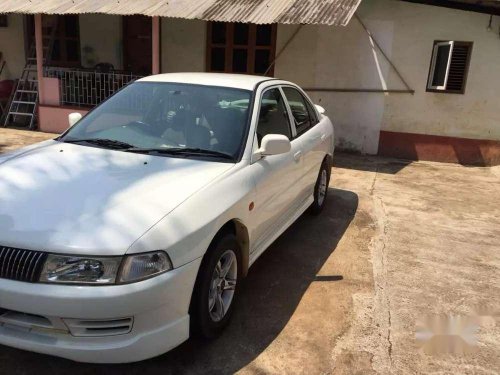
column 327, row 12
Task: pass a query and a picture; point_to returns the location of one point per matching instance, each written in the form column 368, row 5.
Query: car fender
column 186, row 232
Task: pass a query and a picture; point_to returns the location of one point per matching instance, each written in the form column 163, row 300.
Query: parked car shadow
column 269, row 296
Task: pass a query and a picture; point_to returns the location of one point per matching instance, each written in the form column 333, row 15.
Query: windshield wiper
column 182, row 151
column 111, row 143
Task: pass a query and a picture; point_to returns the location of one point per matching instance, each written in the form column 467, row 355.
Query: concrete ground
column 342, row 293
column 11, row 139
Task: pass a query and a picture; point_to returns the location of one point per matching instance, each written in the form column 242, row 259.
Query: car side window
column 301, row 110
column 312, row 113
column 273, row 118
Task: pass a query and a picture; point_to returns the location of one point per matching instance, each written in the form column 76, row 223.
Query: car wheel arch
column 239, row 229
column 329, row 160
column 234, row 227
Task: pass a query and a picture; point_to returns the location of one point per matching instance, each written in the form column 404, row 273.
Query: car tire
column 321, row 188
column 213, row 299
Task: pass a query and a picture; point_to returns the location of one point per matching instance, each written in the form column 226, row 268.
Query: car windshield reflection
column 156, row 116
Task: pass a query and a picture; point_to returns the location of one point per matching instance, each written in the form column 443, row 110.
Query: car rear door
column 276, row 176
column 312, row 135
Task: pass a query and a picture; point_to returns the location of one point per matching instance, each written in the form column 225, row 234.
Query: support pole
column 39, row 56
column 384, row 54
column 283, row 49
column 156, row 45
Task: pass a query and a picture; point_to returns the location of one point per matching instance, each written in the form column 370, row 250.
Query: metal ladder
column 24, row 102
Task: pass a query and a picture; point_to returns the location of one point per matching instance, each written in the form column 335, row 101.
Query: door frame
column 291, row 120
column 125, row 49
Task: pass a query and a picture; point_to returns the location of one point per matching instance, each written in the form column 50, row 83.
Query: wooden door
column 137, row 44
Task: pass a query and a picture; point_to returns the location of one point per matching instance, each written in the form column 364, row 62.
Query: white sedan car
column 134, row 228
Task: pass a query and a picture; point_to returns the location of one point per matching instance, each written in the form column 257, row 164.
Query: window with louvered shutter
column 449, row 67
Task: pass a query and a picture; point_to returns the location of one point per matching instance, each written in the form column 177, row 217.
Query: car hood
column 74, row 199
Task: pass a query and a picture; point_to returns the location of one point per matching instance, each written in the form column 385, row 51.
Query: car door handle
column 321, row 137
column 297, row 155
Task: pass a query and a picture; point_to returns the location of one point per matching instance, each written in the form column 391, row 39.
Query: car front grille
column 21, row 265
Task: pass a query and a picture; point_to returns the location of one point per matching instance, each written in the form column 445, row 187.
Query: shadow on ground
column 369, row 163
column 269, row 296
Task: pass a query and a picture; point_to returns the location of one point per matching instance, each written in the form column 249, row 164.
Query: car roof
column 239, row 81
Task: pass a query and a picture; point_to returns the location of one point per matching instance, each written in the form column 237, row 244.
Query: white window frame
column 433, row 66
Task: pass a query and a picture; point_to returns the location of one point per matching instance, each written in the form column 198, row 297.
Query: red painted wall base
column 436, row 148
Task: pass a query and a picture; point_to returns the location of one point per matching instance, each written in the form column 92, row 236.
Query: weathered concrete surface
column 340, row 293
column 435, row 250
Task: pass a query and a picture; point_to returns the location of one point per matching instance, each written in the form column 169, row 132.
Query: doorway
column 137, row 44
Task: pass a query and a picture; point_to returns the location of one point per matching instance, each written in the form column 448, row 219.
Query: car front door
column 312, row 135
column 276, row 176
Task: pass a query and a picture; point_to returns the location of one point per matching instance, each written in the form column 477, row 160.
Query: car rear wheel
column 216, row 287
column 321, row 189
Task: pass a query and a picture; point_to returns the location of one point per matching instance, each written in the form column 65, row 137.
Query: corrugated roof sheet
column 328, row 12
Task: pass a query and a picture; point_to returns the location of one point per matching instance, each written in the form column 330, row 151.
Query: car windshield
column 167, row 118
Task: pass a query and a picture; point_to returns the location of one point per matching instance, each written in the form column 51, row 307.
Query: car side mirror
column 73, row 118
column 320, row 109
column 274, row 144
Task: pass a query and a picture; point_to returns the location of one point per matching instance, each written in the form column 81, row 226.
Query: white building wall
column 328, row 57
column 307, row 62
column 101, row 40
column 183, row 45
column 182, row 42
column 12, row 47
column 338, row 57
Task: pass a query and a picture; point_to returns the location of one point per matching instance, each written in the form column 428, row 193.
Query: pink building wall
column 55, row 119
column 50, row 92
column 51, row 117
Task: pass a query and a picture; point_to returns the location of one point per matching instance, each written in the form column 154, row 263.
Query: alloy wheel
column 222, row 285
column 323, row 186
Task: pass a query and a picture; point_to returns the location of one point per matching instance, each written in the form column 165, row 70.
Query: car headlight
column 80, row 270
column 142, row 266
column 69, row 269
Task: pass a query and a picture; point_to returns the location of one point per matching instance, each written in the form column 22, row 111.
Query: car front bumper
column 99, row 324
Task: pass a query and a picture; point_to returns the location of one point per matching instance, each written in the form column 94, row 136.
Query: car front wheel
column 216, row 287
